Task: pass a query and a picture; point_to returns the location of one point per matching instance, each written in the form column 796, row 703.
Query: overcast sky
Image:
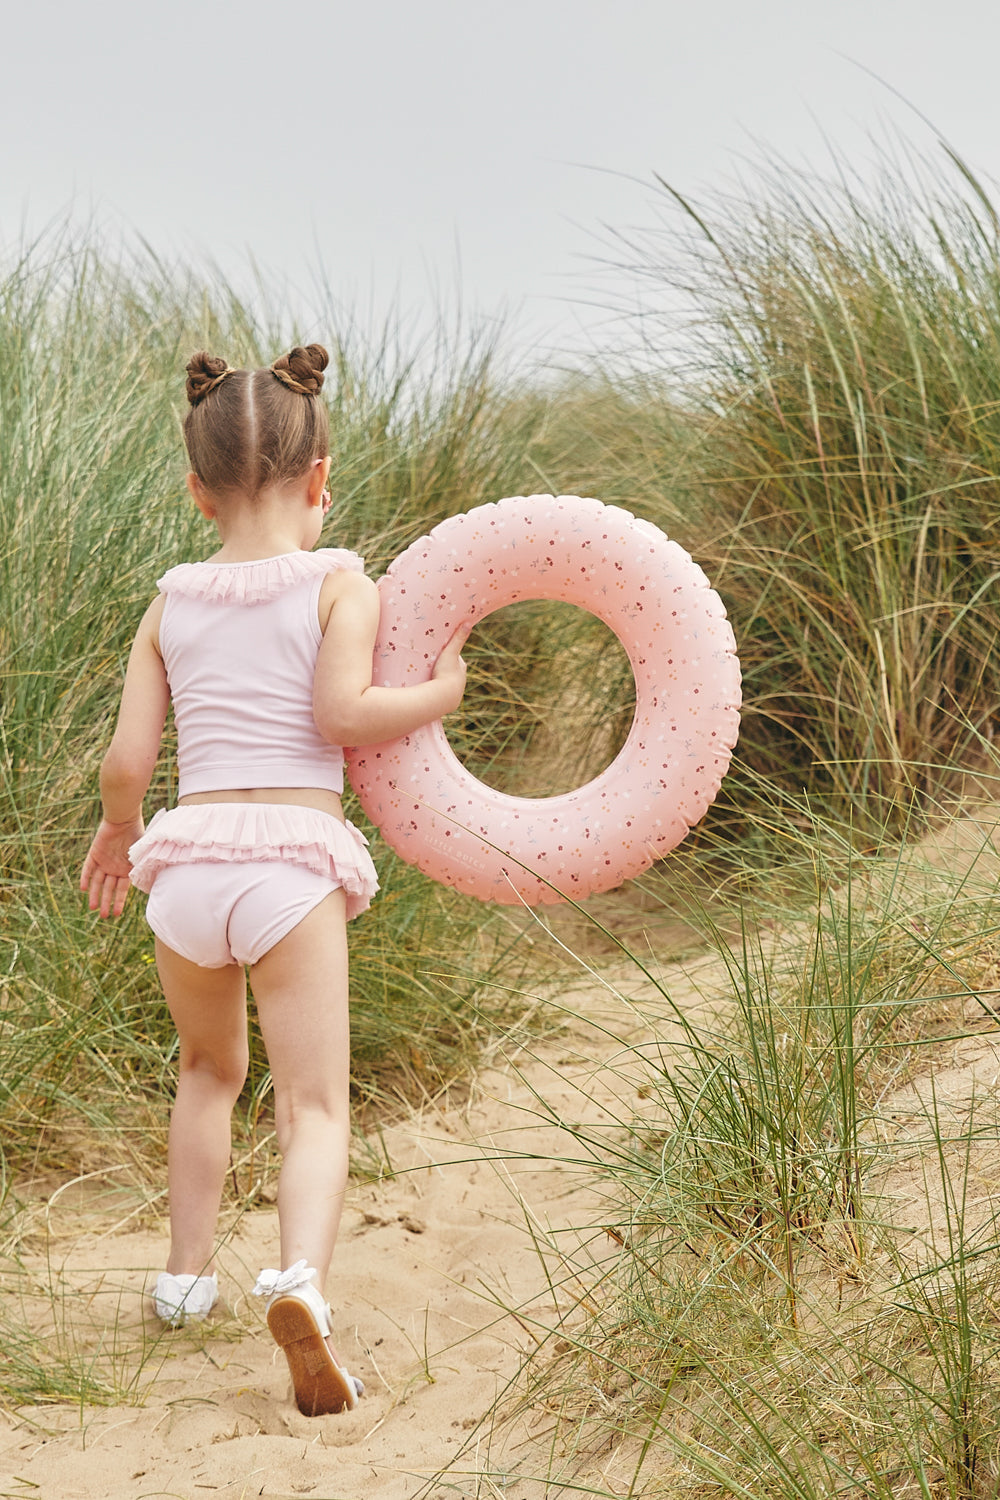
column 403, row 149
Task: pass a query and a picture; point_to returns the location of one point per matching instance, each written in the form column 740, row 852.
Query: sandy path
column 441, row 1274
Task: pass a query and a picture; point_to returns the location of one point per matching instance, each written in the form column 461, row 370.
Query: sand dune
column 446, row 1274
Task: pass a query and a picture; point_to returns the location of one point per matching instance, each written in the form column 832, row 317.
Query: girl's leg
column 300, row 987
column 208, row 1007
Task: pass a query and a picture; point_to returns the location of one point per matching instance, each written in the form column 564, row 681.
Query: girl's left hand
column 450, row 665
column 106, row 869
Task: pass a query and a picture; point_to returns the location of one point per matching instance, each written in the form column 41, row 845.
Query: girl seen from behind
column 265, row 652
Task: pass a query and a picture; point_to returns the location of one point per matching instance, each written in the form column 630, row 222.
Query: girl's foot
column 180, row 1299
column 299, row 1319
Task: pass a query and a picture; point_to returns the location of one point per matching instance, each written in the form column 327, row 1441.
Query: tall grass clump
column 797, row 1294
column 818, row 422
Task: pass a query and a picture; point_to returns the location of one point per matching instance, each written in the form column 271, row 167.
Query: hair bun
column 301, row 369
column 204, row 372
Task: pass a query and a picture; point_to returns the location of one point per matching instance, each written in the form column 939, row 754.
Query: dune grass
column 800, row 1296
column 822, row 435
column 793, row 1290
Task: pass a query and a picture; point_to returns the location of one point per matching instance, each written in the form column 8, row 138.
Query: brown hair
column 249, row 429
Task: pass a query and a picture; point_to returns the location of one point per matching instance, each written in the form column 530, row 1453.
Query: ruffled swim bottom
column 244, row 832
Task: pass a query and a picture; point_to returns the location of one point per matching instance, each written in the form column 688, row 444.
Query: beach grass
column 798, row 1290
column 792, row 1290
column 814, row 413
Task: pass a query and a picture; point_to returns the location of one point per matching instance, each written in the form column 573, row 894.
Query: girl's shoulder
column 258, row 581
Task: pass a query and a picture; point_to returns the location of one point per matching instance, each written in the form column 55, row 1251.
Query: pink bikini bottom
column 228, row 880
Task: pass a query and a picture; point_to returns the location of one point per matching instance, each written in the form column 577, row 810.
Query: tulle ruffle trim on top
column 258, row 581
column 237, row 832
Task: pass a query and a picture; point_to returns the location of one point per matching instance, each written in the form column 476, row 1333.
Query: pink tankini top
column 239, row 642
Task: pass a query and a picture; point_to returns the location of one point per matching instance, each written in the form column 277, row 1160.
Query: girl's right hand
column 106, row 869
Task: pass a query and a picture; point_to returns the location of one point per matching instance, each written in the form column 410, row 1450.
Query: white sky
column 402, row 149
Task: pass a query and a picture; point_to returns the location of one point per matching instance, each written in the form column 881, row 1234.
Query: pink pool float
column 671, row 624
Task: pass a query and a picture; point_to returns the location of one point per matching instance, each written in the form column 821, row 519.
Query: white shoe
column 180, row 1298
column 300, row 1321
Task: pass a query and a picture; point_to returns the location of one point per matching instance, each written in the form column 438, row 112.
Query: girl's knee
column 227, row 1072
column 326, row 1115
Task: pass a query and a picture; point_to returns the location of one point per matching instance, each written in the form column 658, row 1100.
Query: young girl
column 265, row 651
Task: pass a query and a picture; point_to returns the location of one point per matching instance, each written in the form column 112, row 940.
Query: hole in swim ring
column 549, row 700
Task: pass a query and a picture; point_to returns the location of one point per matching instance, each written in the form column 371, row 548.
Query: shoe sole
column 321, row 1387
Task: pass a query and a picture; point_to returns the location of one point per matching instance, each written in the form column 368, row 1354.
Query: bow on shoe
column 277, row 1283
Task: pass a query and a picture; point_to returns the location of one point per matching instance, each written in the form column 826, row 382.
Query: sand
column 475, row 1249
column 465, row 1257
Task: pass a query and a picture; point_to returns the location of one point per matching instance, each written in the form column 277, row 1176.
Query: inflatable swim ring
column 673, row 626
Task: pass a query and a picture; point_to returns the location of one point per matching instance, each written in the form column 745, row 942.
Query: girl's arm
column 127, row 768
column 348, row 709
